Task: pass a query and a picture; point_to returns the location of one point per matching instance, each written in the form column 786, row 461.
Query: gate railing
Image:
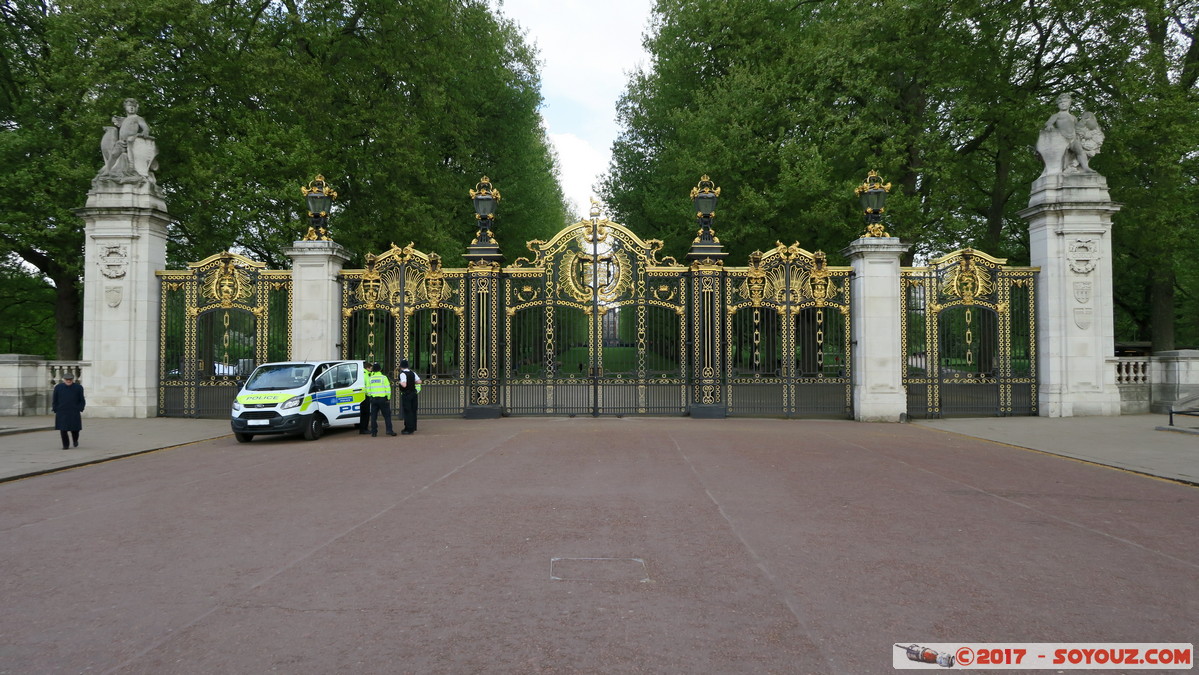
column 220, row 318
column 788, row 326
column 594, row 323
column 404, row 305
column 969, row 337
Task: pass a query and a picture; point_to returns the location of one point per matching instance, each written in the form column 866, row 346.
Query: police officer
column 409, row 387
column 378, row 390
column 364, row 410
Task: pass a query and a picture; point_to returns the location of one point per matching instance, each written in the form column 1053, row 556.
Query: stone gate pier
column 1070, row 235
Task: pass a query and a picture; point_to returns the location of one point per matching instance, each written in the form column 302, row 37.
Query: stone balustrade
column 26, row 382
column 1132, row 377
column 1132, row 370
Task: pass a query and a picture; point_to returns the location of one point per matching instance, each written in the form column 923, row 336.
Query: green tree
column 1147, row 86
column 789, row 105
column 786, row 105
column 27, row 314
column 402, row 107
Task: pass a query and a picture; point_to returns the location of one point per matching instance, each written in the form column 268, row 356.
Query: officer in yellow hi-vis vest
column 378, row 392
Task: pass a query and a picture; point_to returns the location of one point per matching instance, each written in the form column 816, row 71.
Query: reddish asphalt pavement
column 526, row 545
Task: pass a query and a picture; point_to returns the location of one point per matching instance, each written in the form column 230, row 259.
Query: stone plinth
column 316, row 299
column 24, row 387
column 878, row 392
column 125, row 229
column 1174, row 375
column 1070, row 220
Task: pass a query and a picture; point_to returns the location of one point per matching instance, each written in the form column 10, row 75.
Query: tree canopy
column 402, row 106
column 786, row 105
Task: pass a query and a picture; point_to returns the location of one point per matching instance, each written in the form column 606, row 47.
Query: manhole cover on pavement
column 598, row 569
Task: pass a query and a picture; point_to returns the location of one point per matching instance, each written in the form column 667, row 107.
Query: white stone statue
column 129, row 150
column 1066, row 143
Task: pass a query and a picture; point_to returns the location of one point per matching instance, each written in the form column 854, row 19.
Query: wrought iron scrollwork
column 594, row 323
column 788, row 345
column 969, row 336
column 219, row 318
column 404, row 305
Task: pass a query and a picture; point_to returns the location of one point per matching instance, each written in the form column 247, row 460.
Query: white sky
column 587, row 50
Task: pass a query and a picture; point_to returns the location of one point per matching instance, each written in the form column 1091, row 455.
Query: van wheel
column 243, row 438
column 314, row 428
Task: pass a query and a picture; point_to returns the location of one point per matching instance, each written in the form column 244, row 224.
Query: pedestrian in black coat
column 67, row 404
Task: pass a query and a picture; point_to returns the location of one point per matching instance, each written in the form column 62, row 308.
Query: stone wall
column 27, row 382
column 1174, row 375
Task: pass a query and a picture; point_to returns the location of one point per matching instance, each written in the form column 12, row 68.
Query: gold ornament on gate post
column 484, row 197
column 755, row 279
column 872, row 194
column 320, row 198
column 706, row 249
column 704, row 197
column 484, row 250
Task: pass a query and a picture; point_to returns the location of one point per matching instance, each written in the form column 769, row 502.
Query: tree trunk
column 999, row 193
column 68, row 318
column 1162, row 308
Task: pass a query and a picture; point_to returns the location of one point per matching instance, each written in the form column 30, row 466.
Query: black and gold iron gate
column 594, row 324
column 788, row 336
column 404, row 305
column 219, row 319
column 969, row 337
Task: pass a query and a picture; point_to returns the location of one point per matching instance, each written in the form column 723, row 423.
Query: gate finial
column 706, row 248
column 872, row 194
column 319, row 196
column 484, row 248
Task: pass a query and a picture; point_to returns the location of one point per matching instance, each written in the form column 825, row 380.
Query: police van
column 299, row 397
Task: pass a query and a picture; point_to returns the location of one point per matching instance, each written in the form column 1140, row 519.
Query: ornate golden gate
column 788, row 335
column 969, row 337
column 594, row 324
column 219, row 319
column 404, row 305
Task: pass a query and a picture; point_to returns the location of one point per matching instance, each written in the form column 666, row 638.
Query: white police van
column 299, row 397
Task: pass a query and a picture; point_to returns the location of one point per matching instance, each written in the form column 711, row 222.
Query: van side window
column 346, row 373
column 325, row 381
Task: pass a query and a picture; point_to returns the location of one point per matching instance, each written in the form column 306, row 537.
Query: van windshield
column 279, row 376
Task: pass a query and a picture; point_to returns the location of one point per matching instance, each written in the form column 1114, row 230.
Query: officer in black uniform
column 409, row 383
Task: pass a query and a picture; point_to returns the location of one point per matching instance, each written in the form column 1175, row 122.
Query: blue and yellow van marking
column 332, row 398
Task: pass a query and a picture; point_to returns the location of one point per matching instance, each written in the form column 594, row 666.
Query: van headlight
column 236, row 406
column 292, row 402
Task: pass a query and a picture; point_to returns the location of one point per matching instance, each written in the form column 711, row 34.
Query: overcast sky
column 587, row 50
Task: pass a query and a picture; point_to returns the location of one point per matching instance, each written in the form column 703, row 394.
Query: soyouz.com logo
column 1044, row 655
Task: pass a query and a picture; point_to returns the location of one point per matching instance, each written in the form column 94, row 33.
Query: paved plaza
column 527, row 545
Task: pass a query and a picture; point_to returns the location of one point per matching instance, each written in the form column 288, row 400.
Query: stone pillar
column 125, row 243
column 878, row 392
column 316, row 299
column 1070, row 223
